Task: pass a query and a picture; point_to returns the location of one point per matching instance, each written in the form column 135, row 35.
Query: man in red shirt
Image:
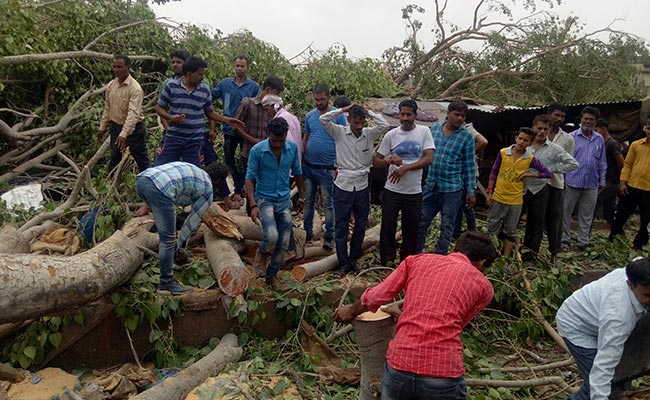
column 443, row 293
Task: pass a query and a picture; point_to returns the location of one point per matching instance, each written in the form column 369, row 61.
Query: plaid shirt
column 251, row 112
column 443, row 294
column 186, row 184
column 453, row 165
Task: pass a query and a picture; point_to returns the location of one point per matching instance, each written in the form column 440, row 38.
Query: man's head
column 524, row 138
column 357, row 115
column 272, row 85
column 646, row 128
column 241, row 64
column 217, row 172
column 193, row 70
column 321, row 96
column 342, row 101
column 277, row 130
column 638, row 279
column 271, row 104
column 557, row 112
column 541, row 126
column 121, row 66
column 178, row 58
column 588, row 117
column 478, row 248
column 408, row 110
column 456, row 113
column 602, row 126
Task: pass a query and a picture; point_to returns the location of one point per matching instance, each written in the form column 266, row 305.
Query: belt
column 314, row 166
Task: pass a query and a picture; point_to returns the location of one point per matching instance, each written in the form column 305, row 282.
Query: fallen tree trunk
column 37, row 285
column 223, row 255
column 373, row 331
column 12, row 242
column 179, row 385
column 329, row 263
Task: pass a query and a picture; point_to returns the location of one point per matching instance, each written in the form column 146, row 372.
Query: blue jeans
column 209, row 155
column 164, row 215
column 584, row 360
column 345, row 203
column 400, row 385
column 276, row 229
column 230, row 144
column 323, row 180
column 447, row 204
column 175, row 149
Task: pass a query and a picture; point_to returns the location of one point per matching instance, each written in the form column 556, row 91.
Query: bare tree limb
column 117, row 29
column 32, row 163
column 65, row 55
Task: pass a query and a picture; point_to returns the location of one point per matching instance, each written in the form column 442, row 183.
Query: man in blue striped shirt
column 453, row 170
column 177, row 184
column 183, row 103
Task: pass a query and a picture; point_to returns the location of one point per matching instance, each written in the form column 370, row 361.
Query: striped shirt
column 590, row 154
column 443, row 294
column 194, row 104
column 453, row 165
column 186, row 184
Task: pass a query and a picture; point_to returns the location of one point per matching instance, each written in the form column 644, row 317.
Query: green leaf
column 79, row 318
column 24, row 361
column 55, row 339
column 132, row 322
column 30, row 352
column 295, row 302
column 281, row 386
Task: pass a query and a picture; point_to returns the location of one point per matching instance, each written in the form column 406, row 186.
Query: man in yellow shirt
column 635, row 189
column 123, row 116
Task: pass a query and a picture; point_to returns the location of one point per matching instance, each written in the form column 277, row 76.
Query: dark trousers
column 554, row 208
column 410, row 205
column 607, row 199
column 230, row 144
column 135, row 142
column 535, row 206
column 402, row 385
column 345, row 203
column 470, row 218
column 209, row 155
column 626, row 206
column 584, row 360
column 177, row 149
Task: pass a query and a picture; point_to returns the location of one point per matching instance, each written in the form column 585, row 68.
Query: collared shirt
column 178, row 99
column 556, row 159
column 636, row 169
column 122, row 105
column 185, row 184
column 270, row 176
column 251, row 112
column 590, row 154
column 565, row 141
column 231, row 94
column 601, row 315
column 453, row 165
column 506, row 171
column 443, row 294
column 353, row 154
column 321, row 149
column 295, row 133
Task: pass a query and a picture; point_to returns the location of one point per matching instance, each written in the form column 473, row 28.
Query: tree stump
column 374, row 331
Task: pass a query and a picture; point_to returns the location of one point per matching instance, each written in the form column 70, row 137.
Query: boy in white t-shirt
column 407, row 149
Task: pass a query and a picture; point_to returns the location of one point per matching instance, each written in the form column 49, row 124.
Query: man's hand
column 299, row 206
column 392, row 309
column 396, row 175
column 489, row 200
column 100, row 136
column 470, row 200
column 120, row 142
column 395, row 160
column 212, row 136
column 177, row 119
column 601, row 188
column 526, row 174
column 345, row 314
column 623, row 189
column 235, row 123
column 256, row 215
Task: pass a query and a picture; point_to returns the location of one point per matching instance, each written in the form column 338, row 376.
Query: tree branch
column 65, row 55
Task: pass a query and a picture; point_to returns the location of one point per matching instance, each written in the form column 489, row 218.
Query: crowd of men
column 547, row 172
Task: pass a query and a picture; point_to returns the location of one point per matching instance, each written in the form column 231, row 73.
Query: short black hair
column 527, row 131
column 477, row 247
column 638, row 271
column 357, row 111
column 602, row 123
column 457, row 105
column 410, row 104
column 543, row 119
column 590, row 110
column 123, row 57
column 182, row 54
column 192, row 64
column 217, row 173
column 273, row 82
column 242, row 57
column 277, row 127
column 321, row 88
column 342, row 101
column 557, row 106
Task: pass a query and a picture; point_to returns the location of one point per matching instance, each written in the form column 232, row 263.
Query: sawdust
column 54, row 382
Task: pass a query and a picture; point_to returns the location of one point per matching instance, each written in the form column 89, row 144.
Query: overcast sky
column 368, row 27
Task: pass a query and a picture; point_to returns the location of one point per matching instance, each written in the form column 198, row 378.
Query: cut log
column 223, row 255
column 179, row 385
column 10, row 374
column 221, row 223
column 330, row 263
column 374, row 331
column 37, row 285
column 13, row 242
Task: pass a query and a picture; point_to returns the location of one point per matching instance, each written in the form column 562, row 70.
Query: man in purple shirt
column 584, row 183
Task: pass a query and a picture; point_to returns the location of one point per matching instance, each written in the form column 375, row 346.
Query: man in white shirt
column 354, row 147
column 406, row 149
column 596, row 320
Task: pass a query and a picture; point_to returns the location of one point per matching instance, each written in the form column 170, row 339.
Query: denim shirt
column 270, row 176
